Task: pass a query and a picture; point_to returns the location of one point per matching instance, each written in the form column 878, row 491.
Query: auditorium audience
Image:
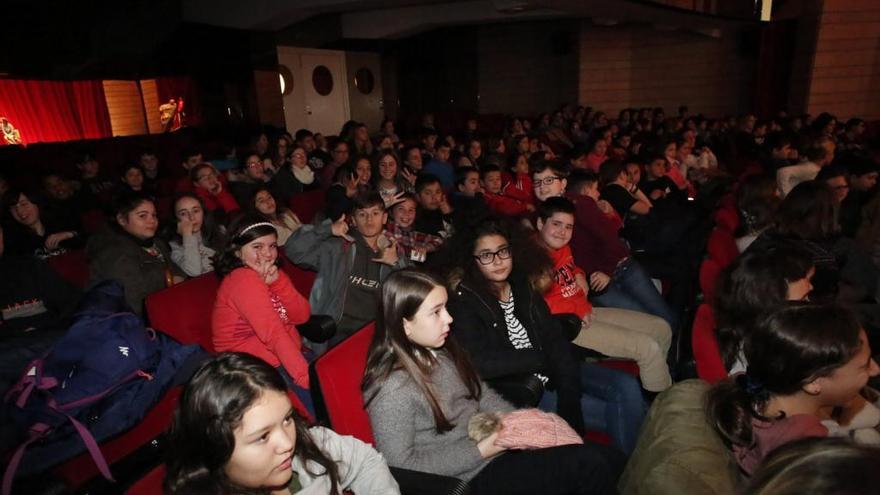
column 257, row 307
column 258, row 441
column 129, row 252
column 351, row 263
column 285, row 221
column 34, row 230
column 591, row 252
column 420, row 392
column 197, row 238
column 801, row 359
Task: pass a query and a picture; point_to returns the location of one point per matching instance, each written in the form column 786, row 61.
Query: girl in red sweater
column 257, row 307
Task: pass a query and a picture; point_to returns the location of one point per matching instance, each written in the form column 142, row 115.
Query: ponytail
column 793, row 346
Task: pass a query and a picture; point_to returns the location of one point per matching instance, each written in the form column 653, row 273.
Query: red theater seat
column 710, row 366
column 303, row 280
column 150, row 484
column 710, row 271
column 72, row 266
column 306, row 205
column 183, row 311
column 722, row 247
column 337, row 375
column 727, row 219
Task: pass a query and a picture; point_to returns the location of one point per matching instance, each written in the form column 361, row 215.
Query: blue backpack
column 96, row 381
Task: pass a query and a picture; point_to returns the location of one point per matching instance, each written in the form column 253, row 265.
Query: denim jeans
column 612, row 402
column 631, row 288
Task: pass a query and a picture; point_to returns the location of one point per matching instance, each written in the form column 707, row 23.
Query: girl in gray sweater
column 420, row 390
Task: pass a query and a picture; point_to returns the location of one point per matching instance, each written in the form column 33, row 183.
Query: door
column 326, row 91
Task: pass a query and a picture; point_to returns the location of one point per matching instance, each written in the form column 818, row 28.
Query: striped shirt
column 516, row 332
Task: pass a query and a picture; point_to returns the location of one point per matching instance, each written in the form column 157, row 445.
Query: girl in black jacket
column 505, row 325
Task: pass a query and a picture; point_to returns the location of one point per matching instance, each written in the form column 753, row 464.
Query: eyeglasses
column 547, row 181
column 488, row 257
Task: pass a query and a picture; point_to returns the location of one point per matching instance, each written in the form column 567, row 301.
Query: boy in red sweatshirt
column 498, row 202
column 614, row 332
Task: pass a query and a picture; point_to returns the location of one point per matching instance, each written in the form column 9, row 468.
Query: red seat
column 93, row 221
column 303, row 280
column 710, row 271
column 150, row 484
column 727, row 219
column 183, row 311
column 710, row 366
column 722, row 247
column 72, row 266
column 306, row 205
column 339, row 372
column 82, row 468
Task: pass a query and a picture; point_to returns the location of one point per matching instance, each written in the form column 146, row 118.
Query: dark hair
column 831, row 172
column 539, row 166
column 194, row 172
column 201, row 439
column 367, row 200
column 302, row 134
column 344, row 173
column 212, row 232
column 126, row 203
column 858, row 165
column 755, row 283
column 375, row 176
column 610, row 170
column 239, row 236
column 818, row 465
column 456, row 258
column 251, row 206
column 188, row 153
column 10, row 199
column 777, row 140
column 461, row 174
column 580, row 178
column 756, row 202
column 807, row 213
column 790, row 348
column 486, row 169
column 403, row 292
column 424, row 180
column 124, row 170
column 853, row 122
column 558, row 204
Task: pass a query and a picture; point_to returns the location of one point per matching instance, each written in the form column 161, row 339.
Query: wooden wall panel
column 151, row 105
column 125, row 107
column 270, row 105
column 845, row 75
column 636, row 66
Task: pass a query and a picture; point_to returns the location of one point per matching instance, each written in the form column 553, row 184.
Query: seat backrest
column 307, row 204
column 710, row 365
column 72, row 266
column 678, row 451
column 727, row 219
column 303, row 280
column 722, row 247
column 339, row 372
column 150, row 484
column 183, row 311
column 710, row 272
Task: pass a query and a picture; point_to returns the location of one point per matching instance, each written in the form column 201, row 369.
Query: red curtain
column 181, row 87
column 91, row 109
column 45, row 111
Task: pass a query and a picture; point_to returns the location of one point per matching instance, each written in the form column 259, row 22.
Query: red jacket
column 505, row 205
column 564, row 295
column 519, row 188
column 259, row 319
column 223, row 200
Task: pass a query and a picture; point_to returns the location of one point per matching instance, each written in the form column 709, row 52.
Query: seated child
column 411, row 244
column 614, row 332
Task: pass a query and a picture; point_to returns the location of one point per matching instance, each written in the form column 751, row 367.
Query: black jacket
column 479, row 326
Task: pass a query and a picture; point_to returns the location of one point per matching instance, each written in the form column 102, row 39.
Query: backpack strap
column 37, row 431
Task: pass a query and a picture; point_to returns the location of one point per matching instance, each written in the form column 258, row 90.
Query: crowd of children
column 534, row 252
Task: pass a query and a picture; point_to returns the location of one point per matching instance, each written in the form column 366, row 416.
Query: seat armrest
column 520, row 390
column 421, row 483
column 319, row 328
